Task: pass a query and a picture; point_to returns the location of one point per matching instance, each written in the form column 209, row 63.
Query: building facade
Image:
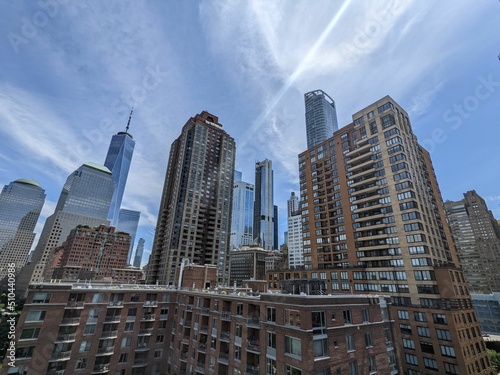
column 138, row 253
column 21, row 202
column 153, row 330
column 477, row 238
column 488, row 312
column 263, row 217
column 84, row 200
column 118, row 161
column 247, row 263
column 321, row 117
column 128, row 222
column 373, row 221
column 242, row 213
column 93, row 253
column 294, row 233
column 195, row 211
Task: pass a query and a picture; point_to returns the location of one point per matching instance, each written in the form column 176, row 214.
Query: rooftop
column 28, row 181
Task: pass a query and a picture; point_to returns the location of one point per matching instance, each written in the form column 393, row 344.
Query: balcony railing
column 68, row 337
column 60, row 356
column 75, row 305
column 108, row 334
column 107, row 350
column 70, row 321
column 100, row 369
column 224, row 358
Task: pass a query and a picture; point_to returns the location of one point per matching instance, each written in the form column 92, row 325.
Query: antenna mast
column 129, row 117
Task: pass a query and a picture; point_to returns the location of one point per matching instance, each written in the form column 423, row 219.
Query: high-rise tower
column 128, row 222
column 374, row 222
column 294, row 241
column 138, row 253
column 195, row 210
column 21, row 202
column 477, row 238
column 321, row 117
column 118, row 162
column 242, row 213
column 84, row 200
column 263, row 217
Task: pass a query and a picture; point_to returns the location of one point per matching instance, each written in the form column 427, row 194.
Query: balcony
column 163, row 316
column 140, row 363
column 146, row 332
column 225, row 315
column 225, row 336
column 142, row 347
column 118, row 304
column 203, row 329
column 183, row 356
column 60, row 356
column 55, row 372
column 74, row 305
column 205, row 311
column 150, row 303
column 254, row 321
column 70, row 321
column 109, row 334
column 65, row 338
column 200, row 367
column 100, row 369
column 107, row 350
column 202, row 347
column 253, row 346
column 252, row 370
column 223, row 358
column 148, row 317
column 112, row 319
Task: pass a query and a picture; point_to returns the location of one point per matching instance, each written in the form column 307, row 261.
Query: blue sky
column 70, row 71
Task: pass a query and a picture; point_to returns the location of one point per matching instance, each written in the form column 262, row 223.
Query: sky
column 71, row 70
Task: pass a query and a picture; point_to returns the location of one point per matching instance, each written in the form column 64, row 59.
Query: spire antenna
column 129, row 118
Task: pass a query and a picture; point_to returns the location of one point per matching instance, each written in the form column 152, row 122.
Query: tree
column 494, row 359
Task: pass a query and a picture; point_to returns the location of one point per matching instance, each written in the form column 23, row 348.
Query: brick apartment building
column 130, row 329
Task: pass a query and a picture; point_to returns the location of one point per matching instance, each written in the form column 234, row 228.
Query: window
column 320, row 347
column 426, row 347
column 89, row 329
column 25, row 352
column 160, row 339
column 451, row 368
column 443, row 334
column 41, row 297
column 30, row 333
column 81, row 363
column 237, row 353
column 347, row 316
column 123, row 358
column 411, row 359
column 368, row 339
column 292, row 370
column 126, row 341
column 439, row 318
column 293, row 346
column 292, row 317
column 447, row 351
column 97, row 298
column 405, row 329
column 271, row 339
column 420, row 316
column 239, row 309
column 408, row 344
column 158, row 353
column 85, row 346
column 129, row 326
column 430, row 363
column 403, row 314
column 423, row 332
column 270, row 366
column 271, row 314
column 366, row 316
column 372, row 365
column 350, row 342
column 353, row 368
column 35, row 316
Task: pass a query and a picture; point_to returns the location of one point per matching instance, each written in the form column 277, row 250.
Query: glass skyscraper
column 242, row 214
column 138, row 253
column 85, row 199
column 195, row 210
column 263, row 217
column 118, row 162
column 128, row 221
column 20, row 205
column 321, row 117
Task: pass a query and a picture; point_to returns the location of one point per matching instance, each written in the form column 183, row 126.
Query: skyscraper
column 128, row 222
column 118, row 162
column 294, row 221
column 275, row 228
column 263, row 214
column 138, row 253
column 374, row 222
column 292, row 204
column 242, row 213
column 477, row 238
column 321, row 117
column 195, row 210
column 21, row 202
column 85, row 199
